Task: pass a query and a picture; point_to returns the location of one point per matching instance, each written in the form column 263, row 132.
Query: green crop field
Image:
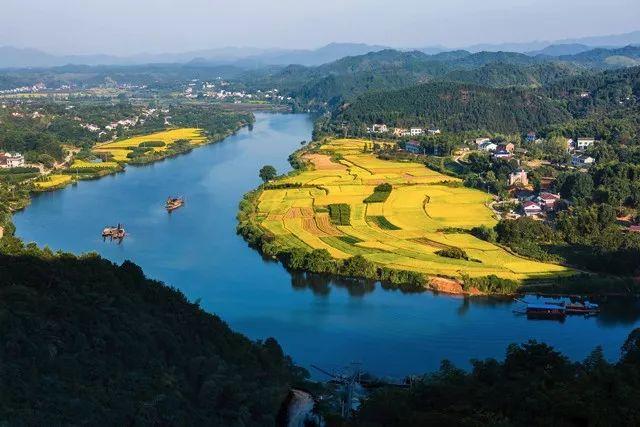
column 402, row 229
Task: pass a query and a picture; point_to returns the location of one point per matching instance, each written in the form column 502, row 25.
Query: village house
column 379, row 128
column 548, row 200
column 91, row 127
column 11, row 160
column 530, row 137
column 582, row 161
column 488, row 146
column 633, row 229
column 502, row 154
column 413, row 147
column 571, row 145
column 584, row 143
column 416, row 131
column 480, row 141
column 519, row 177
column 531, row 208
column 434, row 131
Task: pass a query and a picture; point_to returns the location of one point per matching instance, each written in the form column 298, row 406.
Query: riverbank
column 379, row 234
column 138, row 150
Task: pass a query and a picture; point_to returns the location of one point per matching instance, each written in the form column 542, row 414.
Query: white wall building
column 11, row 160
column 584, row 143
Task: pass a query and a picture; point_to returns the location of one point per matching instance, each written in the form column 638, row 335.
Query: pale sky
column 133, row 26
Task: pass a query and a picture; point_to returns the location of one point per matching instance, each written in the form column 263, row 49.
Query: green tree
column 267, row 173
column 555, row 149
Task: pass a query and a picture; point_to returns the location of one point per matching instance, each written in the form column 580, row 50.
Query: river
column 319, row 321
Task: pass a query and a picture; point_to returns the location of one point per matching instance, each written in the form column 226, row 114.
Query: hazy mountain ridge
column 251, row 57
column 11, row 57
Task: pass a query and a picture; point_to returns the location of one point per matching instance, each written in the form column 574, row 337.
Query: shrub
column 453, row 252
column 485, row 233
column 152, row 144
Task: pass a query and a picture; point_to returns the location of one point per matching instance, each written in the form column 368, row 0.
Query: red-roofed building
column 531, row 208
column 548, row 200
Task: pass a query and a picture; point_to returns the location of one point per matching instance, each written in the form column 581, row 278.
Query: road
column 300, row 409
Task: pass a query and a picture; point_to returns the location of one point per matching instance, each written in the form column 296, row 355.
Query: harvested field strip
column 324, row 223
column 309, row 224
column 295, row 227
column 431, row 243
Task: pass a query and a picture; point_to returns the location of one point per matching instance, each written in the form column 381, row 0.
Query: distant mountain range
column 249, row 57
column 608, row 41
column 246, row 57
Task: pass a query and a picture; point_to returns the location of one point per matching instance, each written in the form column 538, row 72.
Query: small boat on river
column 112, row 232
column 584, row 307
column 174, row 203
column 545, row 311
column 558, row 310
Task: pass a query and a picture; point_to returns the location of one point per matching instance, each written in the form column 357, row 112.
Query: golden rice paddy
column 82, row 164
column 119, row 149
column 53, row 181
column 405, row 231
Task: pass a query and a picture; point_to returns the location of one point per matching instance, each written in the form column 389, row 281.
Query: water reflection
column 615, row 311
column 320, row 284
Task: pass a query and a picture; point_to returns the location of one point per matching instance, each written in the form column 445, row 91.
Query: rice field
column 53, row 181
column 158, row 142
column 404, row 231
column 82, row 164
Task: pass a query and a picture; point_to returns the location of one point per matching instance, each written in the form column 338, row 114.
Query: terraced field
column 120, row 149
column 403, row 232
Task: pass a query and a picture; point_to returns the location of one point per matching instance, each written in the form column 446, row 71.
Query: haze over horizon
column 79, row 27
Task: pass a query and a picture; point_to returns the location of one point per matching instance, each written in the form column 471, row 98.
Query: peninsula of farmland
column 395, row 214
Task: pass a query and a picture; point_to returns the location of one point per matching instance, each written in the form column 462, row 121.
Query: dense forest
column 89, row 342
column 459, row 107
column 455, row 107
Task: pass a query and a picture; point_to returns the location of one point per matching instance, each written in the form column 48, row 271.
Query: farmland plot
column 402, row 230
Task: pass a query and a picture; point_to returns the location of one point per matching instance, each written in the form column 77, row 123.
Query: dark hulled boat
column 174, row 203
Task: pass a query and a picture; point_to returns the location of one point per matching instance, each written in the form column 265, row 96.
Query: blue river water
column 316, row 320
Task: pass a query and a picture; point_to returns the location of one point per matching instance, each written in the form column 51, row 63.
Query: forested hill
column 328, row 85
column 455, row 107
column 534, row 386
column 86, row 342
column 458, row 106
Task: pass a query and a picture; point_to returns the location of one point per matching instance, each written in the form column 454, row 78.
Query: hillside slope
column 86, row 342
column 455, row 107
